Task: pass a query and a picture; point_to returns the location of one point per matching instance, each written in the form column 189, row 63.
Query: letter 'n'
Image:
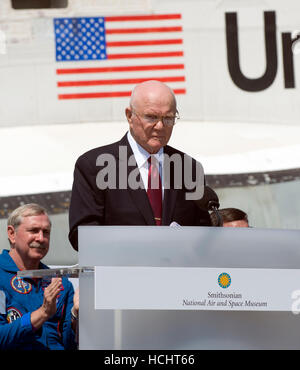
column 233, row 60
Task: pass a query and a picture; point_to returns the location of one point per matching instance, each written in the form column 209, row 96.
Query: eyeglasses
column 152, row 119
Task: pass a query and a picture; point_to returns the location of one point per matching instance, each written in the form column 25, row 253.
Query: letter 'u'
column 233, row 60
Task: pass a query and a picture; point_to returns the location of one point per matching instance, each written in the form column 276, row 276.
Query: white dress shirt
column 141, row 157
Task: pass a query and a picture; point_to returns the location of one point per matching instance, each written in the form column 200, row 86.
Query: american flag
column 103, row 57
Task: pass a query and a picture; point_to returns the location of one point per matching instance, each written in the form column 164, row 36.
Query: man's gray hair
column 30, row 209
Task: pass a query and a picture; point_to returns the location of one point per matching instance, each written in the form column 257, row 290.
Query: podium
column 132, row 261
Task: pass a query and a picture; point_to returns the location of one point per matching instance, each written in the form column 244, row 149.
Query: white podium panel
column 196, row 288
column 187, row 248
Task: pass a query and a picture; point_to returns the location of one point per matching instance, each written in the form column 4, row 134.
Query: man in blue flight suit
column 34, row 313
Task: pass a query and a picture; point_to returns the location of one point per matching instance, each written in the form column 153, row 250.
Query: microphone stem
column 219, row 217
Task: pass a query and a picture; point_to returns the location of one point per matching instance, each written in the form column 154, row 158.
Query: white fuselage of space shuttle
column 66, row 74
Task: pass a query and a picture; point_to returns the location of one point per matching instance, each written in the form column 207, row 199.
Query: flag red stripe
column 179, row 91
column 115, row 94
column 152, row 17
column 119, row 81
column 143, row 42
column 95, row 95
column 142, row 30
column 146, row 55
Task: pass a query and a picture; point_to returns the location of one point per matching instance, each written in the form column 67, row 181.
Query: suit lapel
column 139, row 196
column 169, row 202
column 170, row 195
column 140, row 199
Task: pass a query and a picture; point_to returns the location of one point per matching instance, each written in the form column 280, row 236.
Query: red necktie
column 154, row 191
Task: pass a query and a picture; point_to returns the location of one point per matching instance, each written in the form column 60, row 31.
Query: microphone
column 210, row 202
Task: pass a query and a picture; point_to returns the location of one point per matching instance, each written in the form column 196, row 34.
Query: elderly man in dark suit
column 139, row 180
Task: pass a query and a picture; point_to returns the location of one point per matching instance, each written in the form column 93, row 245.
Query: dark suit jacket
column 93, row 206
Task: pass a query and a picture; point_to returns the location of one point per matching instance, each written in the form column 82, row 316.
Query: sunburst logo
column 224, row 280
